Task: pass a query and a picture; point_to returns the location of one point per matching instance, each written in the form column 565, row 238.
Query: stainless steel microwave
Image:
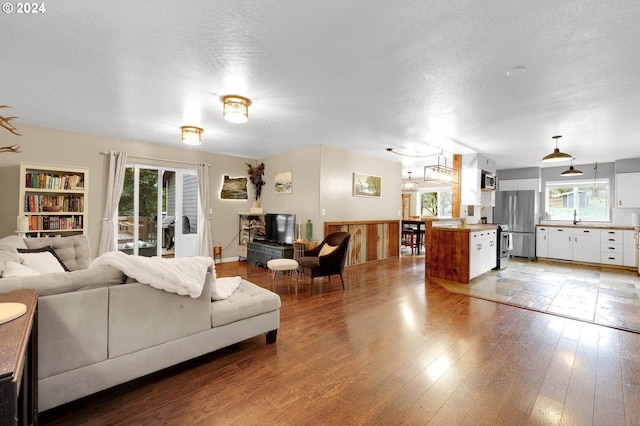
column 489, row 182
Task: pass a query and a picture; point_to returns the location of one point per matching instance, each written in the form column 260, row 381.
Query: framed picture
column 234, row 188
column 366, row 185
column 283, row 183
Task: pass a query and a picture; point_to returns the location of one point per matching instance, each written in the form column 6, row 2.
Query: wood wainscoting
column 370, row 240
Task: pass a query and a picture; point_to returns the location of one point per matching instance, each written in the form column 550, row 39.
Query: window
column 588, row 198
column 436, row 203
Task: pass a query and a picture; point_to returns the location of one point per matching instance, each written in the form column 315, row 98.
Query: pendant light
column 571, row 171
column 410, row 185
column 439, row 172
column 556, row 155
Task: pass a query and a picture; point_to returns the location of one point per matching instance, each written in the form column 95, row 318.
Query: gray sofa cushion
column 8, row 250
column 247, row 301
column 7, row 255
column 12, row 242
column 74, row 250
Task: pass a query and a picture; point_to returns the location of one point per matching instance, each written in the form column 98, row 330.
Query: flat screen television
column 280, row 228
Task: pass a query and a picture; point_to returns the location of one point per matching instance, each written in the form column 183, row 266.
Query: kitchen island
column 459, row 253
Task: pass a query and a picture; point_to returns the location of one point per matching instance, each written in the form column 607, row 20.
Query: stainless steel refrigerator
column 519, row 210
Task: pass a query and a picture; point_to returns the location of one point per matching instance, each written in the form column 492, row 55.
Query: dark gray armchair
column 314, row 265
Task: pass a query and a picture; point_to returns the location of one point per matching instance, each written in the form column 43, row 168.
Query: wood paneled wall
column 370, row 240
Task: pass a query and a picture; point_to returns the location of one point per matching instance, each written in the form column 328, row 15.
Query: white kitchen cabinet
column 471, row 178
column 586, row 245
column 630, row 244
column 542, row 241
column 627, row 194
column 580, row 244
column 482, row 252
column 612, row 248
column 490, row 256
column 560, row 243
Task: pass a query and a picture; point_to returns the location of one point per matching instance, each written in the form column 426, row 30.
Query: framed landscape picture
column 283, row 183
column 234, row 188
column 366, row 185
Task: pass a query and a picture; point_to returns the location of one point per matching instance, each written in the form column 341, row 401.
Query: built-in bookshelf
column 53, row 199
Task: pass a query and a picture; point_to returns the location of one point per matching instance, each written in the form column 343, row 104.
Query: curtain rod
column 158, row 159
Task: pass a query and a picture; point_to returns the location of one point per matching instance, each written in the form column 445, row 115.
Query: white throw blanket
column 223, row 287
column 182, row 275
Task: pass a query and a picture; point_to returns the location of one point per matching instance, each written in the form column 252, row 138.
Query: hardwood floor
column 390, row 349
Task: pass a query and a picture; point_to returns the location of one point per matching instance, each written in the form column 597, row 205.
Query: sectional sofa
column 99, row 328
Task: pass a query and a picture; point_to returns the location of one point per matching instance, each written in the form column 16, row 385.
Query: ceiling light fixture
column 235, row 108
column 192, row 135
column 439, row 172
column 571, row 171
column 556, row 155
column 410, row 185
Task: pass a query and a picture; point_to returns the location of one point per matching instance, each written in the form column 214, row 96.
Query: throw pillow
column 43, row 262
column 224, row 287
column 326, row 249
column 13, row 269
column 49, row 250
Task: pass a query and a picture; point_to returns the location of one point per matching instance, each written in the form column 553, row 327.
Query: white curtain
column 117, row 167
column 206, row 240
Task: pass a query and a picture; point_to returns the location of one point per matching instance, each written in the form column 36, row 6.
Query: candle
column 22, row 224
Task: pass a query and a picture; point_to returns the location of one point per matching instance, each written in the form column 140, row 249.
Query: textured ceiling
column 418, row 76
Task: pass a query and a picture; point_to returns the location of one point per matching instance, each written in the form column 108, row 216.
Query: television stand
column 260, row 252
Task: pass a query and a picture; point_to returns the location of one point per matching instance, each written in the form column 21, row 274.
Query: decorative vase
column 256, row 207
column 309, row 230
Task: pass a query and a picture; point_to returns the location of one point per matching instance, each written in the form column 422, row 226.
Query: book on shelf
column 41, row 180
column 55, row 223
column 53, row 203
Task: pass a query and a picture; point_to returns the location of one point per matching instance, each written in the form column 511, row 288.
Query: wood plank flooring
column 389, row 350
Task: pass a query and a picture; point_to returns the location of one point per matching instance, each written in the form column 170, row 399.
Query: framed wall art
column 234, row 188
column 283, row 183
column 366, row 185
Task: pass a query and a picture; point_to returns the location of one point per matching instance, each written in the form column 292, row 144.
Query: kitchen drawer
column 611, row 258
column 612, row 236
column 611, row 248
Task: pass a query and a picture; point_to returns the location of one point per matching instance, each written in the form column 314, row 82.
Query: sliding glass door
column 158, row 212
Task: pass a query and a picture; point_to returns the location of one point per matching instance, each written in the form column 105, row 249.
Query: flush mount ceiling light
column 410, row 185
column 192, row 135
column 439, row 172
column 235, row 108
column 556, row 155
column 571, row 171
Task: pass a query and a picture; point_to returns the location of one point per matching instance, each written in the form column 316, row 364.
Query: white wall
column 322, row 179
column 336, row 194
column 304, row 200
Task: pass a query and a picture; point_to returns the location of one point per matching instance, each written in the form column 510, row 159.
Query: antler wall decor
column 5, row 122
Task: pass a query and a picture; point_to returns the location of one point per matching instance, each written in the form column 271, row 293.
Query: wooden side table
column 19, row 362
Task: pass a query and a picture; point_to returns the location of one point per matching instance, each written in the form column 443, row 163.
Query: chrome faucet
column 575, row 219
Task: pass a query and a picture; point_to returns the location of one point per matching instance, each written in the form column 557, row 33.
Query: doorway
column 158, row 212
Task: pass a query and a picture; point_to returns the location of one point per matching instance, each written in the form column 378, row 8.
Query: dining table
column 418, row 227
